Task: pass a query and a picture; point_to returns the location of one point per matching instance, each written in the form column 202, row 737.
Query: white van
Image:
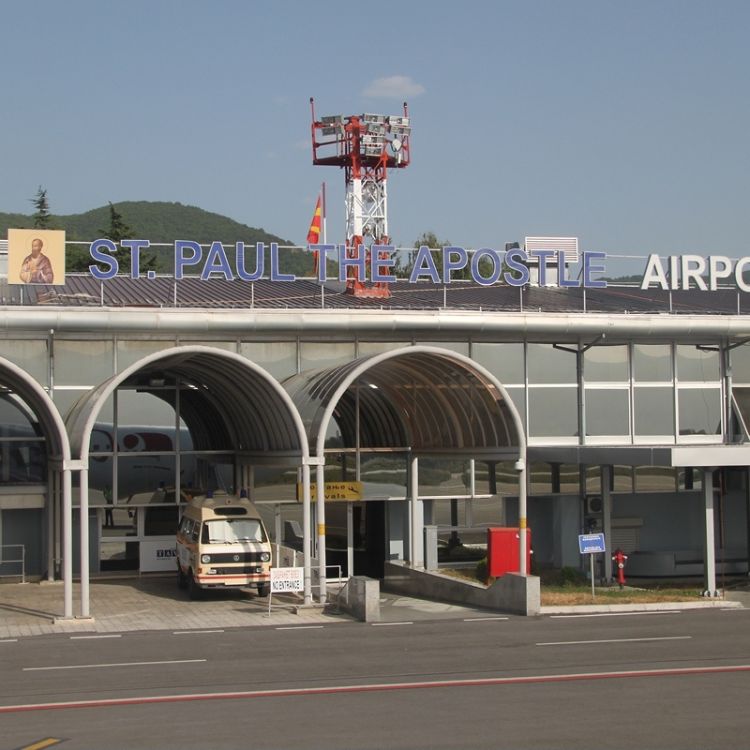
column 221, row 543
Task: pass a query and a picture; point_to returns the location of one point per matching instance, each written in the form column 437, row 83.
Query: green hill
column 163, row 222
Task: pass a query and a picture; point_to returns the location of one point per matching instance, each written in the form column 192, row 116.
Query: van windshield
column 228, row 530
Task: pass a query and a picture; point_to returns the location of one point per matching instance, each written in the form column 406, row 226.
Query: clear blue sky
column 624, row 123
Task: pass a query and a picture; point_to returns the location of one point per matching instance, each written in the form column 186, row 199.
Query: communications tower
column 366, row 147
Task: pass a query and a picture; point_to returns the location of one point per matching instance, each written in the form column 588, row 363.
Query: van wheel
column 262, row 589
column 182, row 579
column 194, row 590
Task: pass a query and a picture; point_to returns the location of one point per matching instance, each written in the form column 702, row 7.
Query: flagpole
column 323, row 210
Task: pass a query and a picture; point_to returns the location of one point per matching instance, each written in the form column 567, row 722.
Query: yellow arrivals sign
column 341, row 491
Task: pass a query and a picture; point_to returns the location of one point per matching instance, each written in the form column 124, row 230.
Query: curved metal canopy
column 233, row 401
column 422, row 397
column 42, row 406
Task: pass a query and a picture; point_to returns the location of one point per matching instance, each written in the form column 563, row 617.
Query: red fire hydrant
column 620, row 557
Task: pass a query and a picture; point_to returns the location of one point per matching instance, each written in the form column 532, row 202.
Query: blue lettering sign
column 356, row 261
column 182, row 259
column 424, row 265
column 260, row 260
column 99, row 257
column 217, row 262
column 276, row 275
column 381, row 257
column 497, row 266
column 134, row 246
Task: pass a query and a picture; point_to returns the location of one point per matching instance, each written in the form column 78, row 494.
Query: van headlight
column 205, row 558
column 265, row 556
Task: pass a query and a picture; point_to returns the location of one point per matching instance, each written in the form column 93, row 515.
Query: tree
column 42, row 215
column 430, row 239
column 118, row 231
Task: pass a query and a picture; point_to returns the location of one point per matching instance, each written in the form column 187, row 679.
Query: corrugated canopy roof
column 229, row 402
column 426, row 398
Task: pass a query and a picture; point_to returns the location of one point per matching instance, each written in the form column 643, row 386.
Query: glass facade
column 620, row 394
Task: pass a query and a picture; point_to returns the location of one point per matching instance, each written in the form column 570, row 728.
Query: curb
column 655, row 607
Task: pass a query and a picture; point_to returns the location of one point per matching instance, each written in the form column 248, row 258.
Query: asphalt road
column 666, row 680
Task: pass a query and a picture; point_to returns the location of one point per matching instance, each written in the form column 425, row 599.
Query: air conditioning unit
column 593, row 505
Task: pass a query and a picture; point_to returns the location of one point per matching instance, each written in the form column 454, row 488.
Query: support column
column 709, row 548
column 67, row 534
column 522, row 520
column 320, row 506
column 306, row 538
column 83, row 514
column 50, row 522
column 416, row 553
column 606, row 473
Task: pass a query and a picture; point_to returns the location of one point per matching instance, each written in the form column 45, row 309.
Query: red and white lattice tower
column 366, row 146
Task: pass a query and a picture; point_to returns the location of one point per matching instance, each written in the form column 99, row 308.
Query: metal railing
column 9, row 561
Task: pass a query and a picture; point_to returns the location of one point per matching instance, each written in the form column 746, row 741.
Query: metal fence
column 5, row 562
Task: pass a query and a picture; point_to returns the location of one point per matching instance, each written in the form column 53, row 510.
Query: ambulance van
column 222, row 543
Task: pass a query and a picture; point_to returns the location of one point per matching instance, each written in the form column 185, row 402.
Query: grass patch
column 568, row 586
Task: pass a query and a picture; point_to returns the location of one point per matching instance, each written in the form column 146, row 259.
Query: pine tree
column 119, row 230
column 42, row 215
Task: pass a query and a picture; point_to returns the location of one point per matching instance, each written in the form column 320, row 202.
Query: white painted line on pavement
column 618, row 640
column 381, row 624
column 620, row 614
column 483, row 619
column 116, row 664
column 9, row 640
column 299, row 627
column 92, row 637
column 376, row 687
column 194, row 632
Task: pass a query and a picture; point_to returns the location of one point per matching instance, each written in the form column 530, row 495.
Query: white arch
column 46, row 410
column 472, row 367
column 82, row 418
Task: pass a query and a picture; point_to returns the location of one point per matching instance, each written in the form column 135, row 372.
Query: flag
column 313, row 234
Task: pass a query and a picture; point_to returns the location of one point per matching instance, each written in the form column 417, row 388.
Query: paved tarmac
column 156, row 603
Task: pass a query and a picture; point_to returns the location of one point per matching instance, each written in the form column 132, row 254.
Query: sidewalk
column 155, row 603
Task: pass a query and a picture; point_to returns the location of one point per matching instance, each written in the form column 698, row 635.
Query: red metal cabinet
column 503, row 554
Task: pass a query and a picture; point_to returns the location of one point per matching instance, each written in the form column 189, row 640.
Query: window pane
column 655, row 479
column 696, row 365
column 129, row 352
column 444, row 476
column 549, row 365
column 365, row 348
column 700, row 411
column 277, row 357
column 517, row 397
column 606, row 363
column 570, row 483
column 622, row 479
column 540, row 478
column 607, row 412
column 82, row 362
column 553, row 412
column 740, row 358
column 652, row 363
column 504, row 361
column 31, row 356
column 461, row 347
column 315, row 355
column 653, row 411
column 383, row 474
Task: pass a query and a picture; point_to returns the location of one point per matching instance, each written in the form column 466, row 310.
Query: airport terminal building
column 458, row 405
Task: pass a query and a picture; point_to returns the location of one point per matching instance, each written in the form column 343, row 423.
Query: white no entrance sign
column 287, row 579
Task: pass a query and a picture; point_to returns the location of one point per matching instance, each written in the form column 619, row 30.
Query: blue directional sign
column 589, row 544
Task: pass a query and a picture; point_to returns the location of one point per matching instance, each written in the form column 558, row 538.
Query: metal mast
column 366, row 147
